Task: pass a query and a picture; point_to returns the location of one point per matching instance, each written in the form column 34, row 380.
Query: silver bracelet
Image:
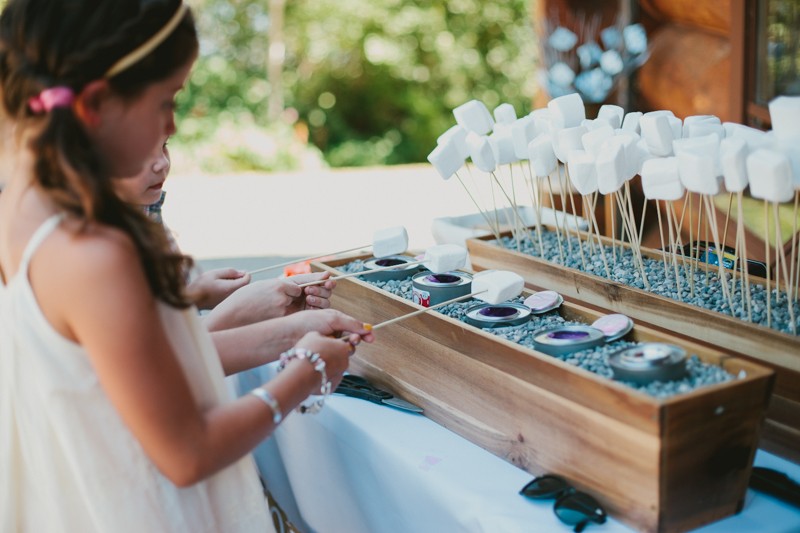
column 265, row 396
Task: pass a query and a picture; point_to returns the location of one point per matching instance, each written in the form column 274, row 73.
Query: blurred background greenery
column 284, row 85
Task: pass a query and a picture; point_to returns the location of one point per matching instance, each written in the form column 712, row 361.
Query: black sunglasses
column 572, row 507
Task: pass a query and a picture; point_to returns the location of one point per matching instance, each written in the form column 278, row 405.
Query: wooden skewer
column 661, row 236
column 304, row 259
column 562, row 190
column 674, row 258
column 536, row 194
column 741, row 236
column 779, row 244
column 600, row 246
column 790, row 289
column 722, row 273
column 635, row 238
column 575, row 218
column 766, row 253
column 513, row 208
column 362, row 273
column 420, row 311
column 558, row 231
column 494, row 230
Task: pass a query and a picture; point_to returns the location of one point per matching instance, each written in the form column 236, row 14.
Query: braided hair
column 70, row 43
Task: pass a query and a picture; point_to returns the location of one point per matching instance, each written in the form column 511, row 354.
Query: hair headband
column 149, row 45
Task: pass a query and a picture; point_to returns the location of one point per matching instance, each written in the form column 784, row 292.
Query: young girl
column 228, row 293
column 113, row 410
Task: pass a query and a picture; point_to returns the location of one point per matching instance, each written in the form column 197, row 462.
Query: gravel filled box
column 703, row 315
column 668, row 456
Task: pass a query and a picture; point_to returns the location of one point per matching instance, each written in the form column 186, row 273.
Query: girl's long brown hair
column 46, row 43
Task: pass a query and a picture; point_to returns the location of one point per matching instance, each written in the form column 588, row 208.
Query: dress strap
column 38, row 236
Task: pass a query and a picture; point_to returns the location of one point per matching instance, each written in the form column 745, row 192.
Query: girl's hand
column 212, row 287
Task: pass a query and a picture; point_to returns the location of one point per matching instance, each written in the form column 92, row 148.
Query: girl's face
column 130, row 131
column 145, row 187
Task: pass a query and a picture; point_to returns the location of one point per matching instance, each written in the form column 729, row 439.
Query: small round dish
column 430, row 289
column 614, row 326
column 562, row 340
column 399, row 273
column 647, row 362
column 543, row 301
column 486, row 315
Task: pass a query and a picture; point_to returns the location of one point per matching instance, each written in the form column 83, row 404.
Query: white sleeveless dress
column 67, row 461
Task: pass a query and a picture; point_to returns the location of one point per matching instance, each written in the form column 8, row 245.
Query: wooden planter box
column 659, row 465
column 779, row 351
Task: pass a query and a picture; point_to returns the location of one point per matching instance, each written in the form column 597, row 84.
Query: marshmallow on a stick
column 502, row 146
column 595, row 137
column 771, row 175
column 660, row 179
column 458, row 136
column 523, row 131
column 611, row 166
column 568, row 139
column 497, row 286
column 444, row 258
column 480, row 150
column 697, row 163
column 389, row 241
column 784, row 113
column 541, row 155
column 582, row 172
column 567, row 111
column 504, row 114
column 733, row 160
column 446, row 159
column 613, row 114
column 474, row 116
column 657, row 133
column 631, row 122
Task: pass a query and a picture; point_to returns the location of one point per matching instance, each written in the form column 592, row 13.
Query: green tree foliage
column 374, row 81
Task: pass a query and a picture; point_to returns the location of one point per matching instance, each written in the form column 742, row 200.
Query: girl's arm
column 98, row 296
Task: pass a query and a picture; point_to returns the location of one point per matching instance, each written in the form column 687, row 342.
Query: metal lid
column 401, row 272
column 543, row 301
column 486, row 315
column 650, row 361
column 453, row 278
column 561, row 340
column 614, row 326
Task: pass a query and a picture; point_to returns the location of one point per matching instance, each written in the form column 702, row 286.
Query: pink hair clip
column 51, row 98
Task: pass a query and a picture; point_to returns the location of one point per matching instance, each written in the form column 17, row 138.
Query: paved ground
column 250, row 220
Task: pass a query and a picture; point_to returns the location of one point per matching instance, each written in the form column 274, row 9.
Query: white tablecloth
column 361, row 467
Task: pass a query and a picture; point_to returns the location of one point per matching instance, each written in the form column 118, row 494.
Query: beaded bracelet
column 265, row 396
column 319, row 365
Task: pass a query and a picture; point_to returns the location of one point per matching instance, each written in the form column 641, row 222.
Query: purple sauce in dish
column 389, row 262
column 442, row 278
column 568, row 335
column 498, row 312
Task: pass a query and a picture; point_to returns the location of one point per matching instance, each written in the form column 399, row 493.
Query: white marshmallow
column 698, row 126
column 502, row 145
column 473, row 116
column 629, row 142
column 389, row 241
column 481, row 153
column 444, row 258
column 582, row 172
column 657, row 133
column 594, row 138
column 698, row 160
column 784, row 112
column 661, row 179
column 497, row 286
column 457, row 135
column 567, row 111
column 541, row 155
column 733, row 160
column 612, row 113
column 754, row 138
column 631, row 122
column 611, row 166
column 446, row 159
column 770, row 175
column 504, row 114
column 523, row 131
column 676, row 125
column 568, row 139
column 643, row 154
column 790, row 149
